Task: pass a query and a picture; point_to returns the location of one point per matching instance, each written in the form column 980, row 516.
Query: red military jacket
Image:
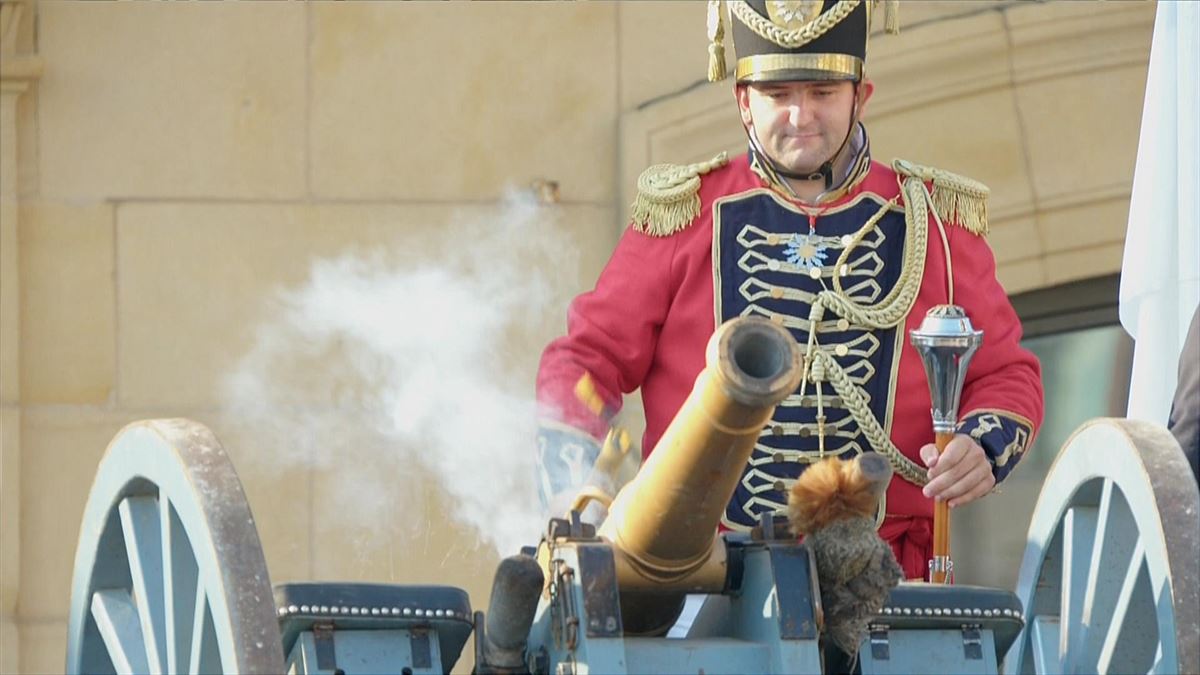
column 753, row 251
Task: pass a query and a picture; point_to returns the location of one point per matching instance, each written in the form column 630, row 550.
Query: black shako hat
column 790, row 40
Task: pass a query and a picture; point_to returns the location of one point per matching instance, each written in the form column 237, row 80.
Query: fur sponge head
column 834, row 489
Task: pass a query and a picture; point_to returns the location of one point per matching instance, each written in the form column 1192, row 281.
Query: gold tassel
column 668, row 196
column 956, row 199
column 891, row 16
column 658, row 219
column 965, row 210
column 716, row 40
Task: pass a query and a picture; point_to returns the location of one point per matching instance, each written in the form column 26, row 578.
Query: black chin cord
column 824, row 173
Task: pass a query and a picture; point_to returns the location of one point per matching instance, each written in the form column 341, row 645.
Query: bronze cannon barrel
column 663, row 524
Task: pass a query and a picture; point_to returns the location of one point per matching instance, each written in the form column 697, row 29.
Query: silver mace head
column 946, row 342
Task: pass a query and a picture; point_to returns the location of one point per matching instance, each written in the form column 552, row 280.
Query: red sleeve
column 612, row 332
column 1002, row 401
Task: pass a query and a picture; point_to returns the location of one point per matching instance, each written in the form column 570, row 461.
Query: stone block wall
column 167, row 171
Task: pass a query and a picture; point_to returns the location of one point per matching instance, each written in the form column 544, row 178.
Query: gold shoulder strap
column 957, row 199
column 668, row 196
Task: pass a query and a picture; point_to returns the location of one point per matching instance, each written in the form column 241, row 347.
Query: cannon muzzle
column 663, row 524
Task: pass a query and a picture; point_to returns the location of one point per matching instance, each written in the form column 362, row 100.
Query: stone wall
column 167, row 169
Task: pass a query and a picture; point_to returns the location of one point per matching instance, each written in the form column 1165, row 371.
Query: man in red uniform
column 848, row 253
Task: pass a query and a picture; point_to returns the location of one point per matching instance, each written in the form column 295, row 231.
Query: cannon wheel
column 1109, row 578
column 169, row 575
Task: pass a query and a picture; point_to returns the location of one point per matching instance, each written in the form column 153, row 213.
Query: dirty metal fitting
column 874, row 470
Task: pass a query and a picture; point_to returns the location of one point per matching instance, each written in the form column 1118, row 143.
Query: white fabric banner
column 1160, row 273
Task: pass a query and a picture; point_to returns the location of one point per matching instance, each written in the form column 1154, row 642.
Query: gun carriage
column 170, row 575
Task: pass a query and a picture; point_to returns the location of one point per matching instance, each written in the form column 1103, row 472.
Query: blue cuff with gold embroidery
column 1004, row 436
column 565, row 457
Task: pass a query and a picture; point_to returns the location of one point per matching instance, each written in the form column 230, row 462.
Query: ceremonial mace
column 946, row 342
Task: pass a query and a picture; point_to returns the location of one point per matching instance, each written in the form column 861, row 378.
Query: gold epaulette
column 668, row 196
column 957, row 199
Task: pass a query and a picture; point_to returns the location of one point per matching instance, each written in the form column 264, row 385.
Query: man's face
column 800, row 124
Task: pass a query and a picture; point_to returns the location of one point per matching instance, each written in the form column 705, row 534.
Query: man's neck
column 806, row 190
column 810, row 191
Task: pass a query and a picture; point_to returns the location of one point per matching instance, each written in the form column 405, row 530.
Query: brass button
column 846, row 239
column 773, row 239
column 773, row 265
column 780, row 486
column 776, row 293
column 844, row 271
column 841, row 350
column 815, row 272
column 776, row 430
column 804, row 432
column 778, row 457
column 777, row 319
column 843, row 324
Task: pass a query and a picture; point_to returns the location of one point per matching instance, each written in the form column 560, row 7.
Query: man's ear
column 742, row 92
column 865, row 89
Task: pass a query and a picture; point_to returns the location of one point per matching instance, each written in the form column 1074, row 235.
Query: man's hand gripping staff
column 946, row 342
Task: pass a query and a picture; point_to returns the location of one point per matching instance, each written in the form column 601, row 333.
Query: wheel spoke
column 1079, row 526
column 120, row 629
column 1044, row 636
column 1116, row 538
column 179, row 589
column 169, row 581
column 1133, row 638
column 143, row 544
column 205, row 654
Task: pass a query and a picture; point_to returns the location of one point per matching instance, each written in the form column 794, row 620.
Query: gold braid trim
column 768, row 30
column 1020, row 442
column 890, row 312
column 957, row 199
column 668, row 197
column 853, row 400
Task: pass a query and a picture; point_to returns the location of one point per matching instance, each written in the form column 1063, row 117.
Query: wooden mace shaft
column 941, row 521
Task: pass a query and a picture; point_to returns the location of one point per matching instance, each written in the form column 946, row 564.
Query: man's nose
column 799, row 113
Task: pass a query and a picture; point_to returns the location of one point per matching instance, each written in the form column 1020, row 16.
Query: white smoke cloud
column 380, row 374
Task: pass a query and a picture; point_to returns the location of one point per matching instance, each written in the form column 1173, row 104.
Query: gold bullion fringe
column 668, row 197
column 957, row 199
